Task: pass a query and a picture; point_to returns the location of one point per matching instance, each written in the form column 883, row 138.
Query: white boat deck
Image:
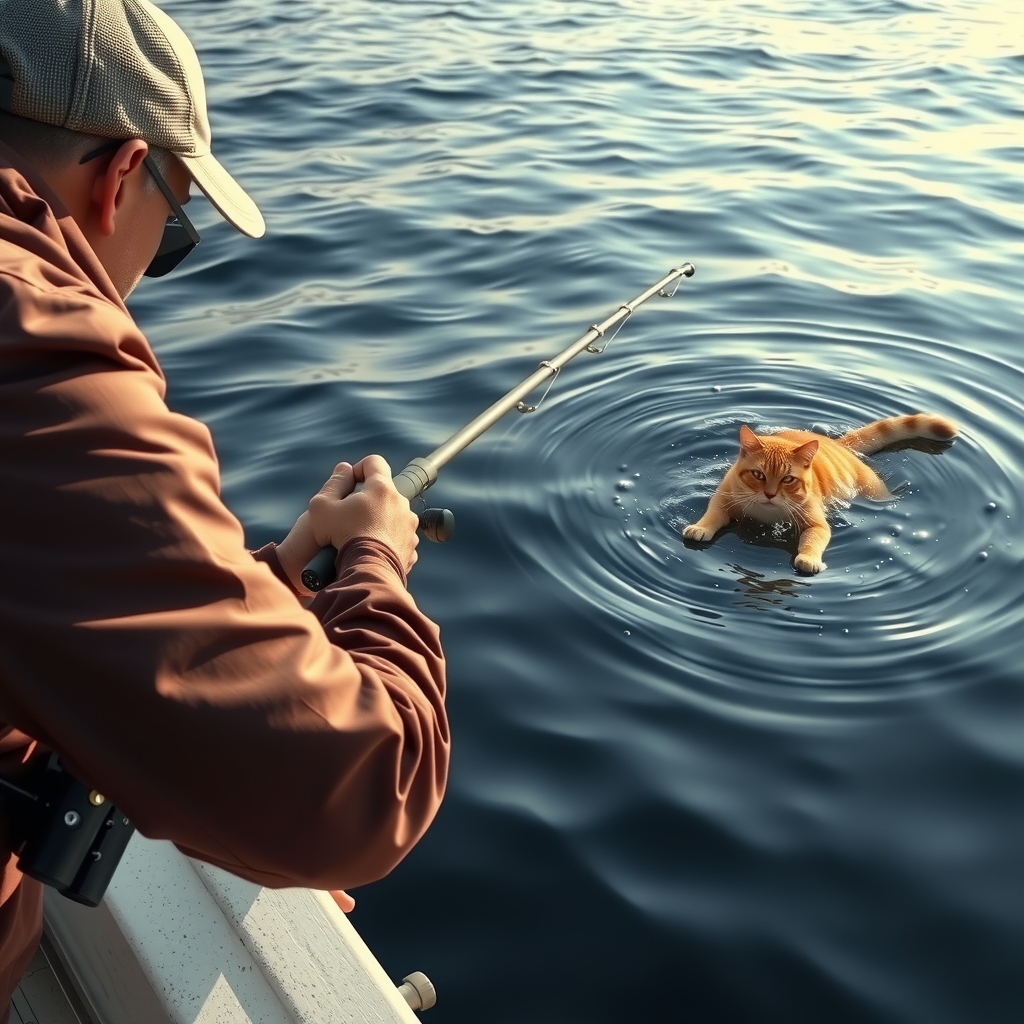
column 179, row 942
column 45, row 995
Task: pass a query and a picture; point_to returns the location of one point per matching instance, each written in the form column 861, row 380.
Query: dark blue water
column 687, row 785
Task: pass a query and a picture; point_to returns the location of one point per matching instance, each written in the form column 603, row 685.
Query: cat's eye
column 757, row 474
column 788, row 479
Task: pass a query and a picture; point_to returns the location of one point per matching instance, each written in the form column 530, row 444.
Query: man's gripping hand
column 338, row 513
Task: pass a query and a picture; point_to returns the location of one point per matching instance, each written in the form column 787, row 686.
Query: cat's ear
column 805, row 453
column 749, row 441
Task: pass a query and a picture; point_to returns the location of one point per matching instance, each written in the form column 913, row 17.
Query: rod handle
column 319, row 569
column 436, row 524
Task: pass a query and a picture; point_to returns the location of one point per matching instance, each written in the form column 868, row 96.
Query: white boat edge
column 176, row 941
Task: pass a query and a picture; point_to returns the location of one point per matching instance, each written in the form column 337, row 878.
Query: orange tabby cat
column 794, row 476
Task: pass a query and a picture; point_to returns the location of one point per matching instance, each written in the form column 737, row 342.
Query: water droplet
column 716, row 387
column 623, row 468
column 626, row 632
column 991, row 507
column 636, row 476
column 846, row 631
column 982, row 555
column 625, row 485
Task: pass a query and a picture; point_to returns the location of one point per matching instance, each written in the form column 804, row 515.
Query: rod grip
column 319, row 569
column 436, row 524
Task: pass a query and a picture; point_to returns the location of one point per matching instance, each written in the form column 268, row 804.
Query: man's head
column 77, row 74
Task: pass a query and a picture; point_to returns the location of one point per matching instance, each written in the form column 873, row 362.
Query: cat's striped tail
column 882, row 433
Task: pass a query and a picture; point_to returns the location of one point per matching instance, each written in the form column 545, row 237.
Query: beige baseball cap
column 121, row 69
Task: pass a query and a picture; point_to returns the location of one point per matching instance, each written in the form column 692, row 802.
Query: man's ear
column 108, row 188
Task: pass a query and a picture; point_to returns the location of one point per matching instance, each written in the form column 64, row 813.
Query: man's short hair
column 48, row 147
column 51, row 148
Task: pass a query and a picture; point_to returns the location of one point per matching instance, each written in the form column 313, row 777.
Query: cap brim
column 231, row 201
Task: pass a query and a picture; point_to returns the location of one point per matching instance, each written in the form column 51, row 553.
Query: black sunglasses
column 180, row 236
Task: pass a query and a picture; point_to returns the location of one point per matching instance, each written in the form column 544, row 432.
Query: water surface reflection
column 687, row 785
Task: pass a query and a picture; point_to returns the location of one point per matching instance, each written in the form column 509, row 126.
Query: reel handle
column 436, row 524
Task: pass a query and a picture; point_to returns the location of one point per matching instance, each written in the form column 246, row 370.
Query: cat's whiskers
column 785, row 507
column 753, row 499
column 790, row 507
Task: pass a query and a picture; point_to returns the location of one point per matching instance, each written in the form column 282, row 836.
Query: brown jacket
column 139, row 638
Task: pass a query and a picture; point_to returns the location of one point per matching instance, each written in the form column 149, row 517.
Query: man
column 169, row 668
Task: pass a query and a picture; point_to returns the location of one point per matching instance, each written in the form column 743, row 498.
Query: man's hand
column 338, row 513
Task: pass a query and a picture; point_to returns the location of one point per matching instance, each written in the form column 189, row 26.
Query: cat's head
column 775, row 471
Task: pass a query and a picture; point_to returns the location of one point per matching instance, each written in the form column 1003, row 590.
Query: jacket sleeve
column 170, row 668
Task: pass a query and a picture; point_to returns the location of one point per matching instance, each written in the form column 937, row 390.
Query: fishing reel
column 437, row 524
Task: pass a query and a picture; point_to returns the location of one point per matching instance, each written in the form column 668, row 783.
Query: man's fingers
column 344, row 901
column 373, row 467
column 339, row 512
column 342, row 482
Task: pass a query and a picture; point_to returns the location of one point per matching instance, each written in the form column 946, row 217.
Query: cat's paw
column 698, row 533
column 808, row 564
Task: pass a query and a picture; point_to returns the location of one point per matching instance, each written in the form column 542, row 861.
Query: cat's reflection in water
column 761, row 591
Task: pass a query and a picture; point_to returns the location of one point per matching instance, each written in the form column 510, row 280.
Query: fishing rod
column 437, row 524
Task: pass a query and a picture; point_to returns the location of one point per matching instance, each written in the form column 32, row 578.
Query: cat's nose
column 770, row 496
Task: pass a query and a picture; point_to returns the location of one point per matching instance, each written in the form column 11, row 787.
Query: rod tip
column 687, row 269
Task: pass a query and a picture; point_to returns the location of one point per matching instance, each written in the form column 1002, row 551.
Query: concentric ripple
column 920, row 592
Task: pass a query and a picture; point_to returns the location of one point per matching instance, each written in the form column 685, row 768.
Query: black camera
column 66, row 835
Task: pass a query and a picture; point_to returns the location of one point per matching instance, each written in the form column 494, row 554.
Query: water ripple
column 797, row 799
column 921, row 592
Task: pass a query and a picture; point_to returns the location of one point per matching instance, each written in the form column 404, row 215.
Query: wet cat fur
column 795, row 476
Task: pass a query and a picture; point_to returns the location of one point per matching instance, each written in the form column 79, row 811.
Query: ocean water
column 687, row 785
